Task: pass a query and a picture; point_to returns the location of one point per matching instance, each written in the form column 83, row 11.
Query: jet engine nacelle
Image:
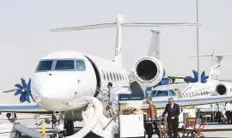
column 148, row 71
column 222, row 89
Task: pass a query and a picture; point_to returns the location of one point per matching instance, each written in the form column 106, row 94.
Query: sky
column 25, row 35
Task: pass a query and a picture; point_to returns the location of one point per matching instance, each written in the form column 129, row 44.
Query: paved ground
column 214, row 134
column 29, row 121
column 218, row 134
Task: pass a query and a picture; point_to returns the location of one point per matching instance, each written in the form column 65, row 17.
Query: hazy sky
column 24, row 34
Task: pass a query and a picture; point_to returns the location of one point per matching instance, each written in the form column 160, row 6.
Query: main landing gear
column 12, row 117
column 62, row 127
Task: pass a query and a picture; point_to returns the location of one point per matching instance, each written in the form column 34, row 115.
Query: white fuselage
column 66, row 76
column 199, row 89
column 188, row 90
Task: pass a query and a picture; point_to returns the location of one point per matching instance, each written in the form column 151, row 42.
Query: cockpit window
column 70, row 65
column 161, row 93
column 64, row 65
column 172, row 93
column 80, row 65
column 44, row 65
column 153, row 93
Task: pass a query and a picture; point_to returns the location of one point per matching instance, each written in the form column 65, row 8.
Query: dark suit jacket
column 175, row 111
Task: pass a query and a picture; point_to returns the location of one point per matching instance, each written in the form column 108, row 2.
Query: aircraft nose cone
column 54, row 89
column 57, row 92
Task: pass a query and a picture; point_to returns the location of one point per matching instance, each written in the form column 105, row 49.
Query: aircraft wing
column 176, row 77
column 189, row 102
column 23, row 108
column 225, row 80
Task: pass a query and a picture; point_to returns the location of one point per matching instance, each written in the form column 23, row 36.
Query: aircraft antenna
column 198, row 58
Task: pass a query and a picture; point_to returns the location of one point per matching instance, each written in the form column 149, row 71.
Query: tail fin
column 118, row 59
column 119, row 24
column 215, row 64
column 154, row 47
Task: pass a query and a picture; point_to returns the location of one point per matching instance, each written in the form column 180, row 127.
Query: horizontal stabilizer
column 158, row 24
column 85, row 27
column 8, row 91
column 114, row 24
column 213, row 54
column 202, row 56
column 225, row 80
column 224, row 54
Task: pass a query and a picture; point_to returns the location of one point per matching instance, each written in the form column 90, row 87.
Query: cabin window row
column 195, row 94
column 114, row 76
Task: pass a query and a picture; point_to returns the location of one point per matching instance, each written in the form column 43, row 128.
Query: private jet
column 70, row 84
column 207, row 85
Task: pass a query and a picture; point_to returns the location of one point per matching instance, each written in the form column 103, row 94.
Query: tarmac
column 214, row 134
column 212, row 130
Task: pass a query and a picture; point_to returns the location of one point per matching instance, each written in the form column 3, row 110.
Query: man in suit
column 173, row 111
column 152, row 116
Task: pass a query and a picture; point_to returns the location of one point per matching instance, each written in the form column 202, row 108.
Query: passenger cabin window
column 117, row 77
column 120, row 77
column 104, row 76
column 64, row 65
column 108, row 78
column 114, row 76
column 161, row 93
column 111, row 76
column 44, row 65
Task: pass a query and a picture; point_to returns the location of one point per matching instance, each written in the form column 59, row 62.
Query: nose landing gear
column 69, row 127
column 62, row 127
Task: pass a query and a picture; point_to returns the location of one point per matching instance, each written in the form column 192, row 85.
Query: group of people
column 229, row 112
column 172, row 110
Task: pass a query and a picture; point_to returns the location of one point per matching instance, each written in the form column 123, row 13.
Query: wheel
column 116, row 136
column 69, row 126
column 92, row 135
column 18, row 134
column 54, row 119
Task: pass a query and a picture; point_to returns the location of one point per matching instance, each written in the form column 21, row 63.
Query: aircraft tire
column 92, row 135
column 69, row 126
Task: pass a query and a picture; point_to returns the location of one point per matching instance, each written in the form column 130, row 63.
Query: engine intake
column 221, row 89
column 148, row 71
